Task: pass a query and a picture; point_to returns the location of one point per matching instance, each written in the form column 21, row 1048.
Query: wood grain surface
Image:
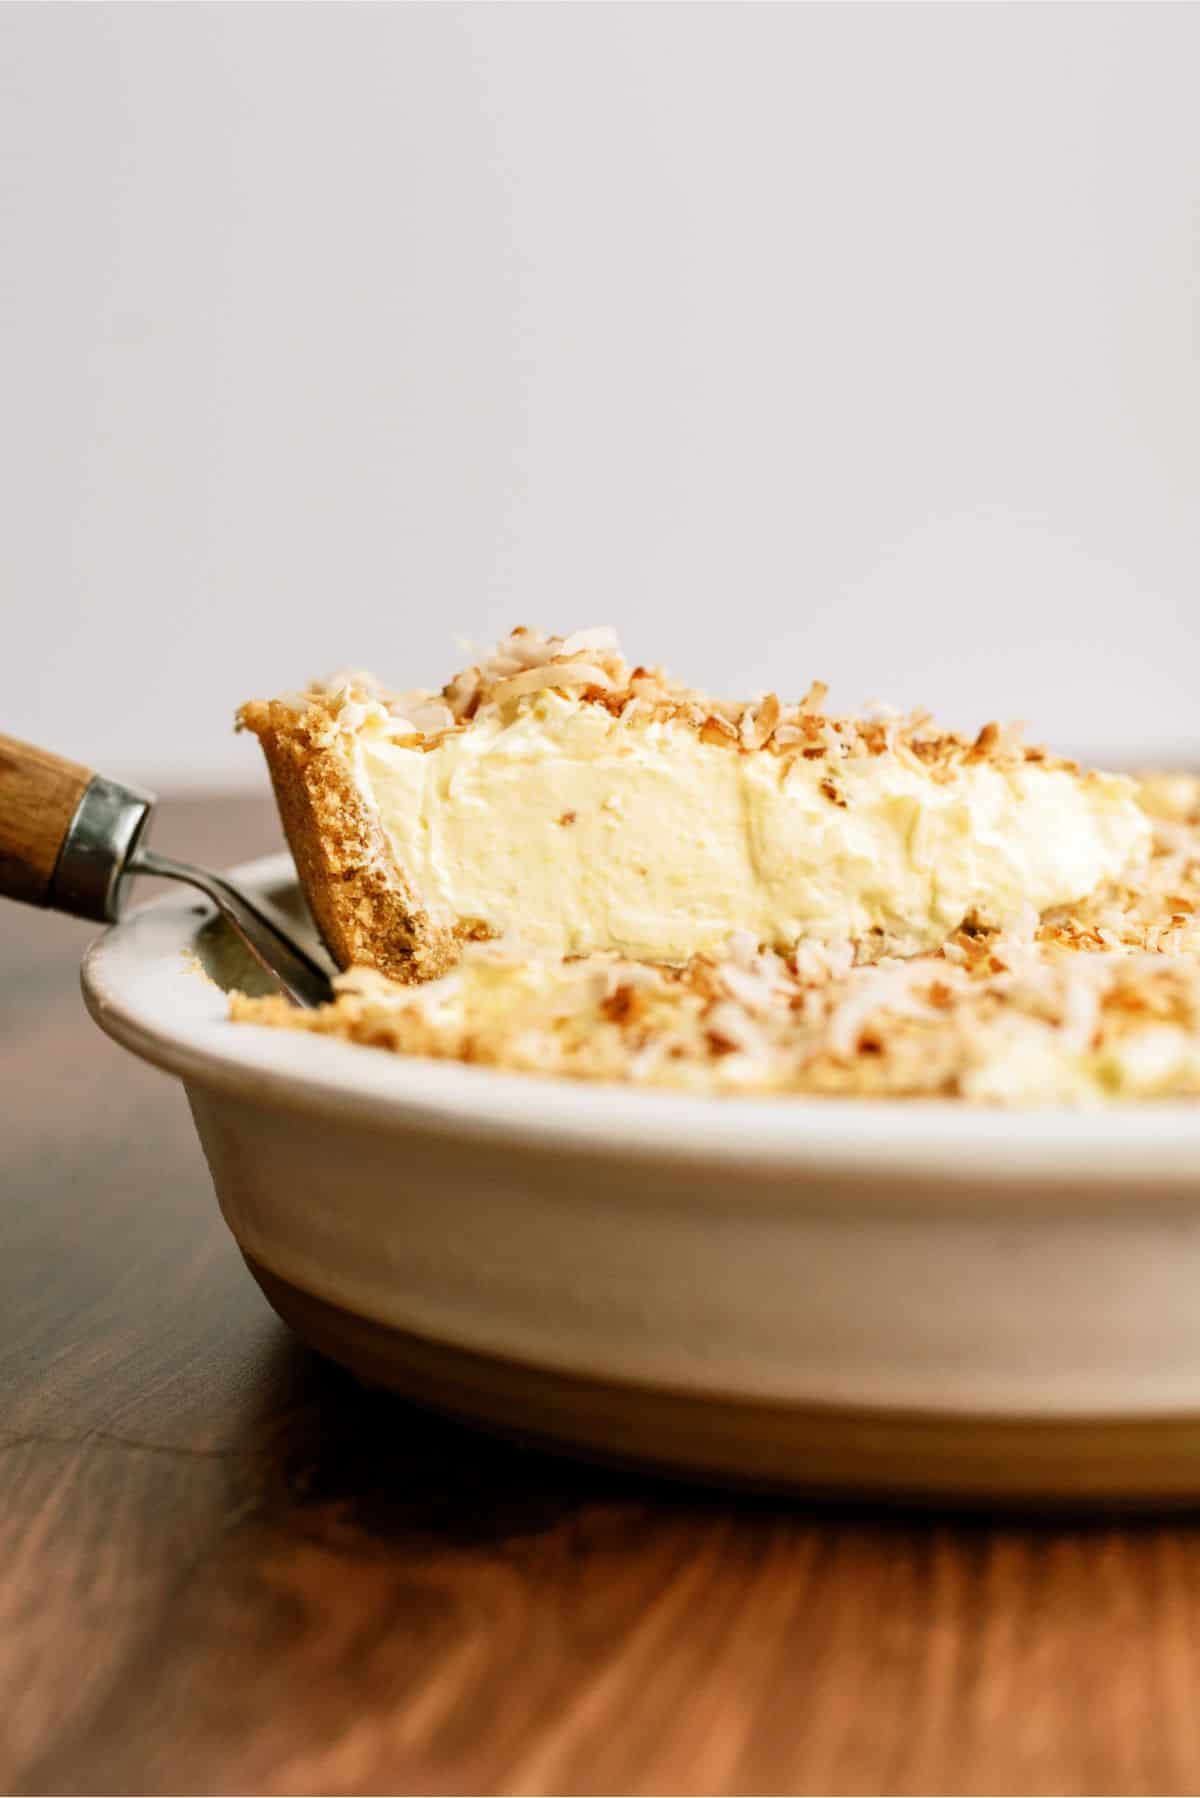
column 225, row 1567
column 38, row 796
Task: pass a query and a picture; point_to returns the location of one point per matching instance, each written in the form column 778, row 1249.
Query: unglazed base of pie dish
column 820, row 1451
column 915, row 1300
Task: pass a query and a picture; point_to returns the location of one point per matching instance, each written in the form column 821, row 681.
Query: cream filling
column 570, row 832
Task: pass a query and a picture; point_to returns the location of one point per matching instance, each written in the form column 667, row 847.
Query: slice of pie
column 559, row 799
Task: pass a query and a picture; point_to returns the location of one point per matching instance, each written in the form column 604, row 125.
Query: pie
column 561, row 864
column 555, row 796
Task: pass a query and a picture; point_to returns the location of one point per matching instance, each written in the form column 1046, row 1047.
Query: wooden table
column 223, row 1567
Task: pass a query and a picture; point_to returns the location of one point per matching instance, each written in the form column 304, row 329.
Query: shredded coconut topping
column 588, row 666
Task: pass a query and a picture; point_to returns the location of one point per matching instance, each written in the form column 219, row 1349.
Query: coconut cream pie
column 563, row 865
column 556, row 797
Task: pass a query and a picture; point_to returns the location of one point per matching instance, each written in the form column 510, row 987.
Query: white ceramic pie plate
column 837, row 1295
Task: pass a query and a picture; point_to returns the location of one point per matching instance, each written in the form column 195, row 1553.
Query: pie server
column 72, row 841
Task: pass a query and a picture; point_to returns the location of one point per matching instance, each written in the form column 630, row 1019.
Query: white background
column 845, row 341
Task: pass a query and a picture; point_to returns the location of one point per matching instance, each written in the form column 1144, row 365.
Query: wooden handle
column 38, row 796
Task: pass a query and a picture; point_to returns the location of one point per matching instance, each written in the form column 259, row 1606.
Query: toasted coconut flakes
column 424, row 713
column 756, row 992
column 728, row 1026
column 588, row 665
column 600, row 637
column 987, row 740
column 716, row 729
column 759, row 722
column 741, row 946
column 556, row 673
column 817, row 963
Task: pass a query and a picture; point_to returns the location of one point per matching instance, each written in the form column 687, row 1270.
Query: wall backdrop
column 849, row 341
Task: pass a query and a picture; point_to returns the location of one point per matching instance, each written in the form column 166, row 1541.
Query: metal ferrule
column 89, row 875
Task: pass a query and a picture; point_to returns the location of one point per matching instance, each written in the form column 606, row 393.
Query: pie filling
column 571, row 831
